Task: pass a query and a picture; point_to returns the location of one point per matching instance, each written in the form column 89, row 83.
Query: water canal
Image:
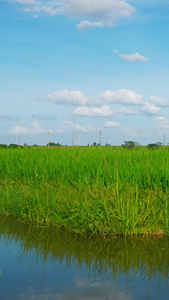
column 50, row 263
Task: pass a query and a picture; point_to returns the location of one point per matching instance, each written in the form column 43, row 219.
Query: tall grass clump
column 105, row 191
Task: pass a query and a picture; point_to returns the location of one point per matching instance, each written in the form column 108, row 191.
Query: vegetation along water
column 47, row 262
column 90, row 190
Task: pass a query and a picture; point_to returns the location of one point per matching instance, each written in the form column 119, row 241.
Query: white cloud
column 150, row 109
column 96, row 13
column 133, row 57
column 113, row 124
column 35, row 9
column 34, row 129
column 68, row 126
column 65, row 96
column 84, row 128
column 87, row 24
column 96, row 8
column 126, row 111
column 103, row 111
column 148, row 2
column 99, row 12
column 102, row 290
column 25, row 2
column 72, row 98
column 162, row 122
column 122, row 96
column 92, row 101
column 159, row 101
column 115, row 51
column 51, row 8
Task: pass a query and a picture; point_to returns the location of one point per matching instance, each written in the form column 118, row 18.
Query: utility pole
column 100, row 139
column 76, row 139
column 26, row 140
column 164, row 140
column 79, row 137
column 72, row 140
column 19, row 141
column 43, row 139
column 48, row 138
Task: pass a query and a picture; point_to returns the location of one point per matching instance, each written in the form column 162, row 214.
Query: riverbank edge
column 102, row 211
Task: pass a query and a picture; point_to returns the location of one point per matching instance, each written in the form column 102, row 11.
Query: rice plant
column 107, row 191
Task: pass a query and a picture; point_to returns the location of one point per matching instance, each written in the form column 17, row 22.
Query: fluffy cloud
column 68, row 126
column 96, row 13
column 126, row 111
column 133, row 57
column 122, row 96
column 162, row 122
column 71, row 97
column 113, row 124
column 159, row 101
column 87, row 24
column 150, row 109
column 103, row 111
column 25, row 2
column 51, row 8
column 65, row 96
column 34, row 129
column 98, row 8
column 148, row 2
column 101, row 13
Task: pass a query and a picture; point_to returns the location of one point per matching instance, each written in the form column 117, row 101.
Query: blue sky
column 73, row 67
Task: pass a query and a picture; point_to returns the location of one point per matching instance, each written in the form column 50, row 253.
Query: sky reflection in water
column 41, row 263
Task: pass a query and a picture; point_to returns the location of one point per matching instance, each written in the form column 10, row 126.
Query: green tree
column 129, row 144
column 13, row 146
column 154, row 145
column 3, row 146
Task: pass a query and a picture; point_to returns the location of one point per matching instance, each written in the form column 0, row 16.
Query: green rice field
column 91, row 190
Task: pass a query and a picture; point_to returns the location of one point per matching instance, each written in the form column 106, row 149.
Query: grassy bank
column 90, row 190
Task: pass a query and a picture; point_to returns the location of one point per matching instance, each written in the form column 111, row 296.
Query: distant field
column 103, row 191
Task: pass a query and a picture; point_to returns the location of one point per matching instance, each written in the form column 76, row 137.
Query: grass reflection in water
column 148, row 256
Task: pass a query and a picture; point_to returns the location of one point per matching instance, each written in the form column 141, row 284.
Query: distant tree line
column 132, row 144
column 125, row 145
column 13, row 146
column 97, row 145
column 52, row 144
column 10, row 146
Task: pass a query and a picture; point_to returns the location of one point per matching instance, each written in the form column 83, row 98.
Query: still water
column 41, row 263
